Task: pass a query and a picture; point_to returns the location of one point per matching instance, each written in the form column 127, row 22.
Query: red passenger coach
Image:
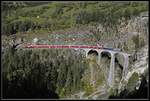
column 62, row 46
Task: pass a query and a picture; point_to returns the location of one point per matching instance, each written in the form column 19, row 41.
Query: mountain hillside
column 68, row 73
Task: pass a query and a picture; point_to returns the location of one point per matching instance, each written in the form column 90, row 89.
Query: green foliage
column 58, row 70
column 88, row 88
column 6, row 6
column 132, row 82
column 138, row 41
column 57, row 15
column 142, row 41
column 112, row 91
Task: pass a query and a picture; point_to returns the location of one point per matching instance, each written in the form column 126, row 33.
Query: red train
column 62, row 46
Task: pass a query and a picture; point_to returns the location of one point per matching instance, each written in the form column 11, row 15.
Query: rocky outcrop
column 138, row 28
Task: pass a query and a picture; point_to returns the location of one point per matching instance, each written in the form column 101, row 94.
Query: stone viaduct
column 99, row 50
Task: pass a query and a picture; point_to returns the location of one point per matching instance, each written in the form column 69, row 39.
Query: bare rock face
column 19, row 41
column 100, row 29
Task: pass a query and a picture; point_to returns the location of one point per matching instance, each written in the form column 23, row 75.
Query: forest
column 36, row 71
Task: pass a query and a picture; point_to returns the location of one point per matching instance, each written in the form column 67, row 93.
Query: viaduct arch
column 98, row 50
column 112, row 55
